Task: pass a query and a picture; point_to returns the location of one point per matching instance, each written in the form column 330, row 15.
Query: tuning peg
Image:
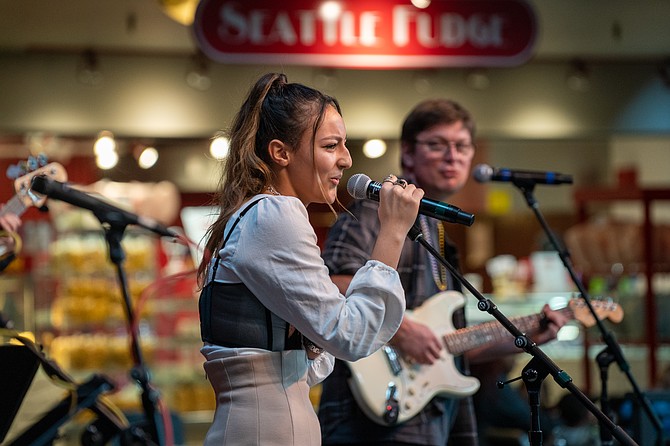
column 14, row 171
column 23, row 165
column 32, row 163
column 42, row 159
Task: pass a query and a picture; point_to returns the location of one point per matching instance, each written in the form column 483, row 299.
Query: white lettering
column 347, row 29
column 446, row 30
column 424, row 31
column 282, row 31
column 369, row 21
column 307, row 27
column 454, row 30
column 367, row 32
column 256, row 20
column 330, row 32
column 402, row 15
column 233, row 26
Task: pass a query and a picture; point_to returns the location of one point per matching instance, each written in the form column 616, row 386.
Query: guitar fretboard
column 468, row 338
column 14, row 206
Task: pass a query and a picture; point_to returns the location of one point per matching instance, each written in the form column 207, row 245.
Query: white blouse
column 274, row 252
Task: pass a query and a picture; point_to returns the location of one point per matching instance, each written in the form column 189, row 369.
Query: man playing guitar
column 437, row 149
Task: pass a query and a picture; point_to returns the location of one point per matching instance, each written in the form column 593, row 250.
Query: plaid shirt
column 349, row 245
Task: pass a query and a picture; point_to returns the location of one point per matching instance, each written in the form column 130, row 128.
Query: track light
column 577, row 78
column 88, row 69
column 197, row 77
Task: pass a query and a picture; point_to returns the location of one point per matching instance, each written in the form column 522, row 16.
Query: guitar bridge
column 393, row 360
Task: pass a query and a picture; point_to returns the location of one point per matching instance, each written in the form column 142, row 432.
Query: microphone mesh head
column 357, row 185
column 482, row 173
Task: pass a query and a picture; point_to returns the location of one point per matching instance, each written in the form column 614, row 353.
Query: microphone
column 106, row 212
column 361, row 186
column 484, row 173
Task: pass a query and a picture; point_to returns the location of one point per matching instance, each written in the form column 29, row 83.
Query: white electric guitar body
column 390, row 390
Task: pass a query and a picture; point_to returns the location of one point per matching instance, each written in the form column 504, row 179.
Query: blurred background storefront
column 590, row 97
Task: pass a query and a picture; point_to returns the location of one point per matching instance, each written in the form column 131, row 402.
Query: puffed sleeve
column 278, row 258
column 319, row 368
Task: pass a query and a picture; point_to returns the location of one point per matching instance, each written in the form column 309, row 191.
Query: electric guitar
column 24, row 198
column 391, row 390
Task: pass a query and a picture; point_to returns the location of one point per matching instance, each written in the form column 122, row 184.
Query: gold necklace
column 439, row 271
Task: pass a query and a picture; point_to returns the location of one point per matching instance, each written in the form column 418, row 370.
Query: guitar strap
column 451, row 255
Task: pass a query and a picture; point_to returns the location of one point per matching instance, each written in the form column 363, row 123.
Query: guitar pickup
column 393, row 360
column 391, row 409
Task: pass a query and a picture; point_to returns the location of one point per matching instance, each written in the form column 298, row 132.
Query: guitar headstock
column 604, row 309
column 30, row 169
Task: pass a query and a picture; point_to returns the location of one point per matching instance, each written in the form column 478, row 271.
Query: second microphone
column 361, row 186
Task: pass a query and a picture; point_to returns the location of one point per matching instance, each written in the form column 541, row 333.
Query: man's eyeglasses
column 441, row 146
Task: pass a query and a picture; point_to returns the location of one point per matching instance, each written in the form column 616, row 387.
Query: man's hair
column 433, row 112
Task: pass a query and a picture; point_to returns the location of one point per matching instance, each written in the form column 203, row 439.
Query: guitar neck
column 14, row 206
column 468, row 338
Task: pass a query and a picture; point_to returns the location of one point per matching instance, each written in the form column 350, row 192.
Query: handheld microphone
column 484, row 173
column 106, row 212
column 361, row 186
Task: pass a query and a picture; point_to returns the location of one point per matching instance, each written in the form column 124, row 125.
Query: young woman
column 272, row 320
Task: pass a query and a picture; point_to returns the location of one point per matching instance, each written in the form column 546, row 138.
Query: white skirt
column 262, row 399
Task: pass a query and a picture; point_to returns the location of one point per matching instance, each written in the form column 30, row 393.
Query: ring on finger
column 401, row 182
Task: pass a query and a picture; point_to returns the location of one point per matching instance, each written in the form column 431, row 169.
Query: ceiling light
column 330, row 10
column 421, row 4
column 148, row 158
column 107, row 160
column 219, row 147
column 374, row 148
column 181, row 11
column 105, row 143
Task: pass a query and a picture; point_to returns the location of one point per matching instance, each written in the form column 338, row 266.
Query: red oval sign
column 367, row 33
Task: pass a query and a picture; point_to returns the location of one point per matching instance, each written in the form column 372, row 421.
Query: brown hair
column 430, row 113
column 273, row 109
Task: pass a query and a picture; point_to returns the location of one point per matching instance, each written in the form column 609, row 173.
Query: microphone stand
column 114, row 226
column 538, row 368
column 612, row 351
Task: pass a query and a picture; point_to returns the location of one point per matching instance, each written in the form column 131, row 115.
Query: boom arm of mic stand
column 612, row 347
column 522, row 341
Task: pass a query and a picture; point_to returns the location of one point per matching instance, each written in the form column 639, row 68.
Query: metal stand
column 612, row 352
column 148, row 434
column 541, row 363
